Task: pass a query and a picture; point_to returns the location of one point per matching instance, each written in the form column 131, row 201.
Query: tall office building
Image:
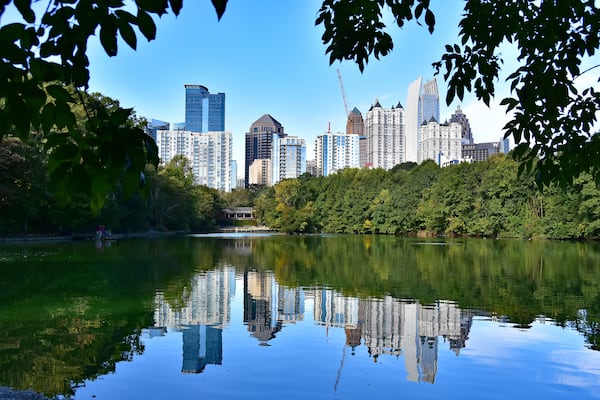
column 336, row 151
column 355, row 125
column 260, row 172
column 288, row 157
column 204, row 112
column 429, row 102
column 412, row 122
column 259, row 141
column 483, row 151
column 209, row 154
column 386, row 138
column 440, row 142
column 422, row 103
column 461, row 118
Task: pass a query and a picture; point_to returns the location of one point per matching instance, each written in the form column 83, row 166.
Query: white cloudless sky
column 267, row 57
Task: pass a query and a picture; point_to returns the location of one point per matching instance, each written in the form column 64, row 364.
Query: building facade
column 355, row 125
column 261, row 172
column 259, row 141
column 422, row 103
column 209, row 154
column 412, row 122
column 461, row 118
column 483, row 151
column 429, row 102
column 288, row 157
column 386, row 137
column 440, row 142
column 336, row 151
column 204, row 111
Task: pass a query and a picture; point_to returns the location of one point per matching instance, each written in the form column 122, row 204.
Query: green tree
column 24, row 197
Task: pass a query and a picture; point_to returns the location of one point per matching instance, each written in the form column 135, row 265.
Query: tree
column 44, row 55
column 553, row 120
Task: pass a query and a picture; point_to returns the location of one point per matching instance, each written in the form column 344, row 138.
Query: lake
column 310, row 317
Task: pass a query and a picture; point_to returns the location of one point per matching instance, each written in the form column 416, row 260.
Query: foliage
column 483, row 199
column 24, row 198
column 28, row 206
column 553, row 120
column 42, row 57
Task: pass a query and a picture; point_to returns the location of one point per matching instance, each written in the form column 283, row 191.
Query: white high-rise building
column 386, row 137
column 422, row 103
column 209, row 154
column 412, row 121
column 288, row 157
column 336, row 151
column 440, row 142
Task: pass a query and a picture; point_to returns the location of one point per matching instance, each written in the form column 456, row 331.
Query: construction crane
column 343, row 92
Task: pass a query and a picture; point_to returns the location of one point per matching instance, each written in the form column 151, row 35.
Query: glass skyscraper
column 204, row 112
column 429, row 102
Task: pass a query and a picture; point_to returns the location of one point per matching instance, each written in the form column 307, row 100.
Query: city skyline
column 286, row 74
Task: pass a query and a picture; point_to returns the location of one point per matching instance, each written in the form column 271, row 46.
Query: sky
column 267, row 57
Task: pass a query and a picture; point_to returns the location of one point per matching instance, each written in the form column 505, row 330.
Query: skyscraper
column 386, row 138
column 259, row 141
column 288, row 157
column 429, row 102
column 412, row 121
column 355, row 125
column 335, row 151
column 204, row 111
column 440, row 142
column 422, row 103
column 209, row 154
column 461, row 118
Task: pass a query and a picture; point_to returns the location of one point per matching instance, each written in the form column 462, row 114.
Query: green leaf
column 128, row 34
column 154, row 6
column 59, row 93
column 220, row 6
column 66, row 151
column 146, row 25
column 176, row 6
column 108, row 37
column 100, row 190
column 24, row 7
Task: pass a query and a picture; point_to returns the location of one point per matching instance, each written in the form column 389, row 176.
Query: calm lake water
column 324, row 317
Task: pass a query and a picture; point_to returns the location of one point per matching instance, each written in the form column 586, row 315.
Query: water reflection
column 71, row 314
column 202, row 317
column 384, row 326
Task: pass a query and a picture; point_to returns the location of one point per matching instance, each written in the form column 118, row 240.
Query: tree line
column 482, row 199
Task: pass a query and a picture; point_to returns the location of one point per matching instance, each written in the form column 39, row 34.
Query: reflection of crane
column 343, row 92
column 339, row 373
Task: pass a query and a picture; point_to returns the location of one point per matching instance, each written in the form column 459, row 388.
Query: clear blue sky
column 267, row 56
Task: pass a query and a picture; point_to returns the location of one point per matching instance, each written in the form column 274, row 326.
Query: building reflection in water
column 201, row 319
column 385, row 326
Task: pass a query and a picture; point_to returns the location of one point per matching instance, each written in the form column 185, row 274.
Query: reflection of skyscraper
column 336, row 310
column 267, row 305
column 206, row 310
column 207, row 301
column 260, row 306
column 202, row 345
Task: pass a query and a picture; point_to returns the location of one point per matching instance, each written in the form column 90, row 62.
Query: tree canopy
column 44, row 55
